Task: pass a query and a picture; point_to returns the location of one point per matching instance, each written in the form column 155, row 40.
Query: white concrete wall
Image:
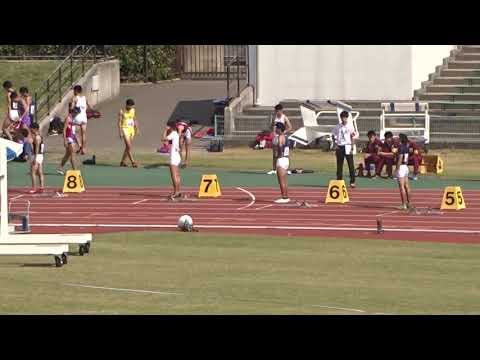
column 424, row 60
column 348, row 72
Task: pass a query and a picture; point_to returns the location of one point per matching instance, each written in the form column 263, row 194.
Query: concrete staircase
column 454, row 88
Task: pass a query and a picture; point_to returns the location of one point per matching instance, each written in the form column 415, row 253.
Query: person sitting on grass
column 170, row 135
column 69, row 141
column 37, row 160
column 371, row 156
column 402, row 172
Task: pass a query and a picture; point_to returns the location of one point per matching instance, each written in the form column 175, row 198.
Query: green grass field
column 25, row 73
column 214, row 274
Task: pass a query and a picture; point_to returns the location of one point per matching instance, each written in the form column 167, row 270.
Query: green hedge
column 160, row 58
column 160, row 61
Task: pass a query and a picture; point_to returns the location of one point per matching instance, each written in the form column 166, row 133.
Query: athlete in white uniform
column 80, row 102
column 37, row 161
column 171, row 136
column 281, row 118
column 402, row 172
column 185, row 133
column 281, row 152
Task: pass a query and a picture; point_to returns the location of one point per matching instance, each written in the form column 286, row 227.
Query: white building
column 347, row 72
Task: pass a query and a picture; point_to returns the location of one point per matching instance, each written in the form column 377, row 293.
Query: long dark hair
column 403, row 139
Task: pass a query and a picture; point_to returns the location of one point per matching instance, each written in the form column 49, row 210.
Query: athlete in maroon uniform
column 414, row 158
column 371, row 156
column 387, row 155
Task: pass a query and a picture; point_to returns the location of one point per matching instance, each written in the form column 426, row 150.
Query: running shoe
column 123, row 164
column 32, row 191
column 353, row 186
column 175, row 196
column 282, row 201
column 289, row 172
column 134, row 165
column 414, row 178
column 61, row 172
column 272, row 172
column 41, row 190
column 403, row 207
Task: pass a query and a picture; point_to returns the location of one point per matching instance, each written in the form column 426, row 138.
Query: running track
column 251, row 210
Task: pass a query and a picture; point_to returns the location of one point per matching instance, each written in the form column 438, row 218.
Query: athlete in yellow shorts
column 128, row 127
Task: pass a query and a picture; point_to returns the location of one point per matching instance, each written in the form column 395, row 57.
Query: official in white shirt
column 343, row 135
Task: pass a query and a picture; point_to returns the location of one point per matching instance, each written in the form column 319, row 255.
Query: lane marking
column 264, row 227
column 139, row 202
column 339, row 308
column 120, row 289
column 249, row 194
column 16, row 197
column 264, row 207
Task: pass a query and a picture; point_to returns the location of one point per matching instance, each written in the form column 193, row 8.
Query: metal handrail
column 60, row 81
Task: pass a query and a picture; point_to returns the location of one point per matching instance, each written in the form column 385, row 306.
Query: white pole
column 3, row 194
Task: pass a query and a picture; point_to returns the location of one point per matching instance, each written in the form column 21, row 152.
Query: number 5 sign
column 337, row 192
column 453, row 199
column 209, row 187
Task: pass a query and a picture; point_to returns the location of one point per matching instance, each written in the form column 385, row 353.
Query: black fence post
column 94, row 54
column 60, row 84
column 228, row 81
column 145, row 69
column 48, row 96
column 238, row 77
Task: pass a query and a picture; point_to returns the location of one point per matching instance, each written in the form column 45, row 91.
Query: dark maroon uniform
column 414, row 157
column 388, row 158
column 373, row 157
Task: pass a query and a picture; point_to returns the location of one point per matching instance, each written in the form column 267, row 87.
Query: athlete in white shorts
column 402, row 172
column 37, row 160
column 80, row 102
column 185, row 133
column 280, row 117
column 171, row 136
column 281, row 153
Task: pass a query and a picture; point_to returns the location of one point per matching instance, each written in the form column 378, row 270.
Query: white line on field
column 139, row 202
column 263, row 227
column 339, row 308
column 388, row 213
column 120, row 289
column 249, row 194
column 16, row 197
column 264, row 207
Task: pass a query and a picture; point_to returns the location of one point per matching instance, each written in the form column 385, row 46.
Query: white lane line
column 139, row 202
column 339, row 308
column 388, row 213
column 249, row 194
column 265, row 227
column 120, row 289
column 264, row 207
column 16, row 197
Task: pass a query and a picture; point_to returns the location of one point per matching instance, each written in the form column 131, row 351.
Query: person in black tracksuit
column 343, row 135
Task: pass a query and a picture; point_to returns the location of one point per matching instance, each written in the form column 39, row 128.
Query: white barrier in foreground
column 56, row 245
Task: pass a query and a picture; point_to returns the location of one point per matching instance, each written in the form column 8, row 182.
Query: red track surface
column 139, row 209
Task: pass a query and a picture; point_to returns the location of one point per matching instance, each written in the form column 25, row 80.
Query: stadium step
column 463, row 64
column 468, row 57
column 455, row 89
column 457, row 81
column 460, row 73
column 451, row 97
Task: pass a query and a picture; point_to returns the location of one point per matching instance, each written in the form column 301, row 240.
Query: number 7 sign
column 209, row 187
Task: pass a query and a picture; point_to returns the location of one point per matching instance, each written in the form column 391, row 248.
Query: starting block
column 73, row 182
column 209, row 187
column 453, row 199
column 337, row 192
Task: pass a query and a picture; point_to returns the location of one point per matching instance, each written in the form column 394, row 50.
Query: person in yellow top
column 128, row 127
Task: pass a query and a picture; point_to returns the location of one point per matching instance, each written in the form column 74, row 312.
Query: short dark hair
column 278, row 107
column 13, row 95
column 371, row 133
column 280, row 126
column 171, row 123
column 388, row 134
column 7, row 84
column 130, row 102
column 35, row 126
column 77, row 88
column 344, row 114
column 403, row 138
column 24, row 132
column 23, row 90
